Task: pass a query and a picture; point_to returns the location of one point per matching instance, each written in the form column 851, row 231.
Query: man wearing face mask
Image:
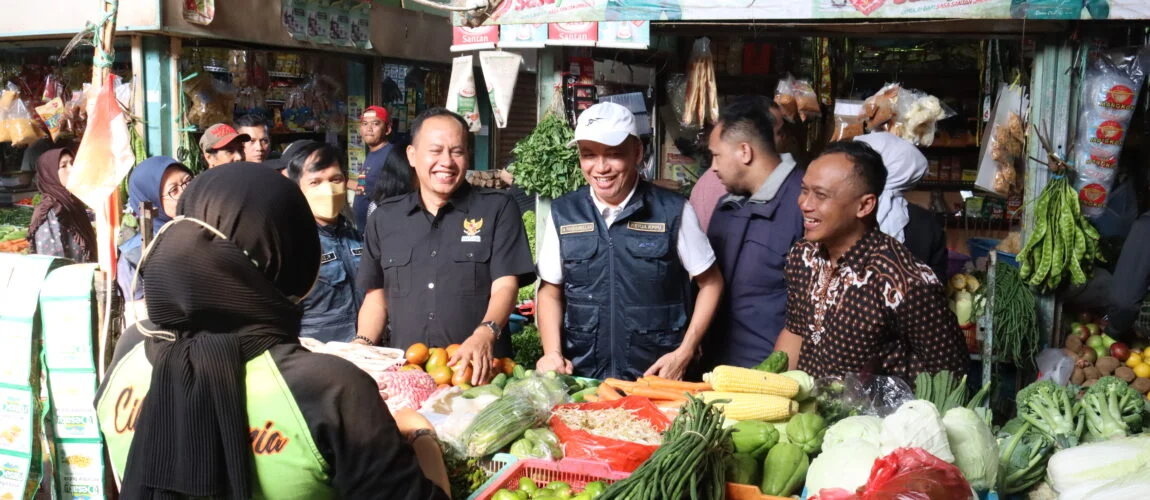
column 331, row 309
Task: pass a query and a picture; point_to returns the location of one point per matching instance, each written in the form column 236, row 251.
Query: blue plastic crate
column 981, row 247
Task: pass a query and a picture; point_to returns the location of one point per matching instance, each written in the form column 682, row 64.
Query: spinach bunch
column 544, row 165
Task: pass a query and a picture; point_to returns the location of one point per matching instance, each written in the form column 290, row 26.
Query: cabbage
column 806, row 384
column 975, row 449
column 846, row 466
column 1095, row 464
column 916, row 424
column 866, row 428
column 1135, row 485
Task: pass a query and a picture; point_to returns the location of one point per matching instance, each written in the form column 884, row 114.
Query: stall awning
column 555, row 11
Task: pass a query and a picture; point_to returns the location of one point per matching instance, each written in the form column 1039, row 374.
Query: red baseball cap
column 219, row 135
column 376, row 112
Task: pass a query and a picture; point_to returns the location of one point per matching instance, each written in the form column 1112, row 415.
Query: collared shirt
column 437, row 271
column 770, row 187
column 331, row 309
column 690, row 242
column 877, row 310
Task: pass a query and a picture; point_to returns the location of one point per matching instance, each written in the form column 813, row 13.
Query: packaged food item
column 878, row 109
column 848, row 124
column 461, row 94
column 806, row 100
column 916, row 116
column 1110, row 92
column 785, row 98
column 1005, row 144
column 500, row 70
column 702, row 100
column 52, row 113
column 21, row 130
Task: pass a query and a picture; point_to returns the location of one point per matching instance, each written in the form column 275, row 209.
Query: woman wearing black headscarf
column 235, row 407
column 60, row 225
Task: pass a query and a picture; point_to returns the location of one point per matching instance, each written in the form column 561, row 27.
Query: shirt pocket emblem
column 326, row 257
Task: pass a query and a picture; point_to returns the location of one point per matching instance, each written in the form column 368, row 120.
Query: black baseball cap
column 289, row 153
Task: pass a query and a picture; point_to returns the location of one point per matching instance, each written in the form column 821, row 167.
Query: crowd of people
column 826, row 262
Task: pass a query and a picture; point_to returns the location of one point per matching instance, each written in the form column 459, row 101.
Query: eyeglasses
column 174, row 191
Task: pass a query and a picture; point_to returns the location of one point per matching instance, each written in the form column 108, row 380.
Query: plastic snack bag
column 848, row 124
column 879, row 109
column 785, row 98
column 21, row 130
column 806, row 100
column 52, row 113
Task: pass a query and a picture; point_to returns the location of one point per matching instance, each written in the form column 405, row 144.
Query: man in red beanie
column 374, row 127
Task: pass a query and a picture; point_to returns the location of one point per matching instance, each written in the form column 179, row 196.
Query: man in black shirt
column 444, row 264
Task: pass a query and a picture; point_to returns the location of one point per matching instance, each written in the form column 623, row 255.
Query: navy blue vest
column 625, row 290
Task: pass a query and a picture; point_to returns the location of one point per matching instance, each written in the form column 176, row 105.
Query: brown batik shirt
column 878, row 310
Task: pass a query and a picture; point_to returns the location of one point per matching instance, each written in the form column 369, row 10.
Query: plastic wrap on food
column 785, row 98
column 847, row 122
column 879, row 109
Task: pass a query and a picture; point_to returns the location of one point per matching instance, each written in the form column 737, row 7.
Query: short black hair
column 326, row 154
column 395, row 179
column 749, row 117
column 869, row 170
column 432, row 113
column 252, row 120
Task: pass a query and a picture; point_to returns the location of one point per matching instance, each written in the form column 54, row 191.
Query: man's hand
column 554, row 361
column 477, row 351
column 409, row 421
column 672, row 365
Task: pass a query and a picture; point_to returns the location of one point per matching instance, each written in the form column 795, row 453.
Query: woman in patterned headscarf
column 60, row 226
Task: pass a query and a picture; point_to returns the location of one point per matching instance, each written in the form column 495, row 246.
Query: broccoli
column 1111, row 409
column 1023, row 454
column 1050, row 408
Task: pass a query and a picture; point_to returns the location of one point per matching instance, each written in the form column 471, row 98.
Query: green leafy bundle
column 544, row 165
column 528, row 292
column 527, row 346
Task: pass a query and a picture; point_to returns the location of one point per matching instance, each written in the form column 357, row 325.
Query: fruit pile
column 1097, row 355
column 434, row 361
column 555, row 490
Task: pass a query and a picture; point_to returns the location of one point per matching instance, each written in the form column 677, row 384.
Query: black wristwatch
column 495, row 329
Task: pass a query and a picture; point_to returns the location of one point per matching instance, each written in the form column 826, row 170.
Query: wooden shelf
column 979, row 224
column 944, row 186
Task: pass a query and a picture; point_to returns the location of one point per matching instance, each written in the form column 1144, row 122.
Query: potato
column 1125, row 373
column 1091, row 373
column 1107, row 365
column 1078, row 377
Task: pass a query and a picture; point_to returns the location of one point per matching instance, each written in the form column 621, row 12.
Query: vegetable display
column 526, row 346
column 1111, row 408
column 528, row 292
column 916, row 424
column 544, row 164
column 614, row 423
column 775, row 363
column 1016, row 337
column 1063, row 244
column 529, row 489
column 1051, row 409
column 692, row 460
column 1022, row 458
column 784, row 470
column 974, row 447
column 807, row 430
column 754, row 438
column 941, row 389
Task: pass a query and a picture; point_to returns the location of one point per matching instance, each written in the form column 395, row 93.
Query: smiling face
column 439, row 156
column 612, row 171
column 835, row 209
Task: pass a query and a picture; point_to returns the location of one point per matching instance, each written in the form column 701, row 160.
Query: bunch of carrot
column 663, row 392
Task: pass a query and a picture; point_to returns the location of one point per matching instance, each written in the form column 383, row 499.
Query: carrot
column 656, row 394
column 607, row 393
column 619, row 384
column 668, row 384
column 669, row 404
column 591, row 398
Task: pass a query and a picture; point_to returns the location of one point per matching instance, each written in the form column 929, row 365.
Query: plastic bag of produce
column 908, row 474
column 1109, row 93
column 860, row 394
column 19, row 127
column 577, row 426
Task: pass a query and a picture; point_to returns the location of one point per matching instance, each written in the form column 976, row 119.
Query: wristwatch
column 495, row 329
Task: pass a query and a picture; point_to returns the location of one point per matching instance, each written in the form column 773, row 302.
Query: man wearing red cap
column 222, row 144
column 374, row 127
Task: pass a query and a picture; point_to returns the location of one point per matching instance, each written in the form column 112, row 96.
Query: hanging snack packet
column 53, row 115
column 21, row 129
column 1110, row 92
column 500, row 70
column 878, row 109
column 295, row 19
column 461, row 96
column 785, row 98
column 848, row 124
column 806, row 100
column 318, row 22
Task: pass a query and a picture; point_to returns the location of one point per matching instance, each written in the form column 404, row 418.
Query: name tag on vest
column 327, row 257
column 647, row 227
column 357, row 251
column 586, row 227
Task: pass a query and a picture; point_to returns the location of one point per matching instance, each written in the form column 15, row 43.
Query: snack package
column 785, row 98
column 52, row 113
column 879, row 109
column 1109, row 94
column 806, row 100
column 702, row 100
column 916, row 116
column 211, row 101
column 848, row 124
column 1004, row 142
column 21, row 129
column 461, row 95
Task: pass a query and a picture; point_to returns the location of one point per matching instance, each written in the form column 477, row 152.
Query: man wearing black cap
column 222, row 144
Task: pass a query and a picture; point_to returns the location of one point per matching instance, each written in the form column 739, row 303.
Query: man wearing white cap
column 616, row 265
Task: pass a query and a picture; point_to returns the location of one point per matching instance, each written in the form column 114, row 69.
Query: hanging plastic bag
column 500, row 70
column 105, row 154
column 848, row 124
column 908, row 474
column 20, row 128
column 1109, row 94
column 806, row 100
column 879, row 109
column 623, row 456
column 52, row 113
column 702, row 101
column 785, row 98
column 461, row 96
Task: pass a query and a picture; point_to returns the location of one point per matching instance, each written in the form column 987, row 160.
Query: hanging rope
column 93, row 34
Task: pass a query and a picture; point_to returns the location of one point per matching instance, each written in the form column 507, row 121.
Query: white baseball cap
column 606, row 123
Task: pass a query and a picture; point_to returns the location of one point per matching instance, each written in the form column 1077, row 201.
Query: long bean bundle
column 691, row 463
column 1015, row 317
column 1063, row 243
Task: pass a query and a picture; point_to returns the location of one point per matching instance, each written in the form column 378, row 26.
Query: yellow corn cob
column 734, row 379
column 743, row 406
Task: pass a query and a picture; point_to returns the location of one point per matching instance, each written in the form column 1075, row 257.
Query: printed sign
column 523, row 36
column 483, row 37
column 579, row 34
column 625, row 34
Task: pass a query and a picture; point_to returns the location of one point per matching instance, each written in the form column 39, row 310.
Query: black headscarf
column 224, row 302
column 70, row 211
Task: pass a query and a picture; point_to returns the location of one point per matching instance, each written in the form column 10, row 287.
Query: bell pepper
column 744, row 469
column 807, row 430
column 775, row 363
column 784, row 470
column 754, row 437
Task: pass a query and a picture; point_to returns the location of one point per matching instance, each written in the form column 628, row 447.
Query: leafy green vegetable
column 528, row 292
column 1111, row 408
column 975, row 450
column 1050, row 408
column 527, row 346
column 1023, row 454
column 16, row 216
column 464, row 473
column 544, row 165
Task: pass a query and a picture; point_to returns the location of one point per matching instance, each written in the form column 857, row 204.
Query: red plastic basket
column 572, row 471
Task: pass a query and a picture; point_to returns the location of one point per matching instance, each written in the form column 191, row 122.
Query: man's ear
column 868, row 205
column 411, row 155
column 746, row 153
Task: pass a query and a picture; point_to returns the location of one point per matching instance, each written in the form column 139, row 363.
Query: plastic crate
column 575, row 472
column 495, row 466
column 981, row 247
column 748, row 492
